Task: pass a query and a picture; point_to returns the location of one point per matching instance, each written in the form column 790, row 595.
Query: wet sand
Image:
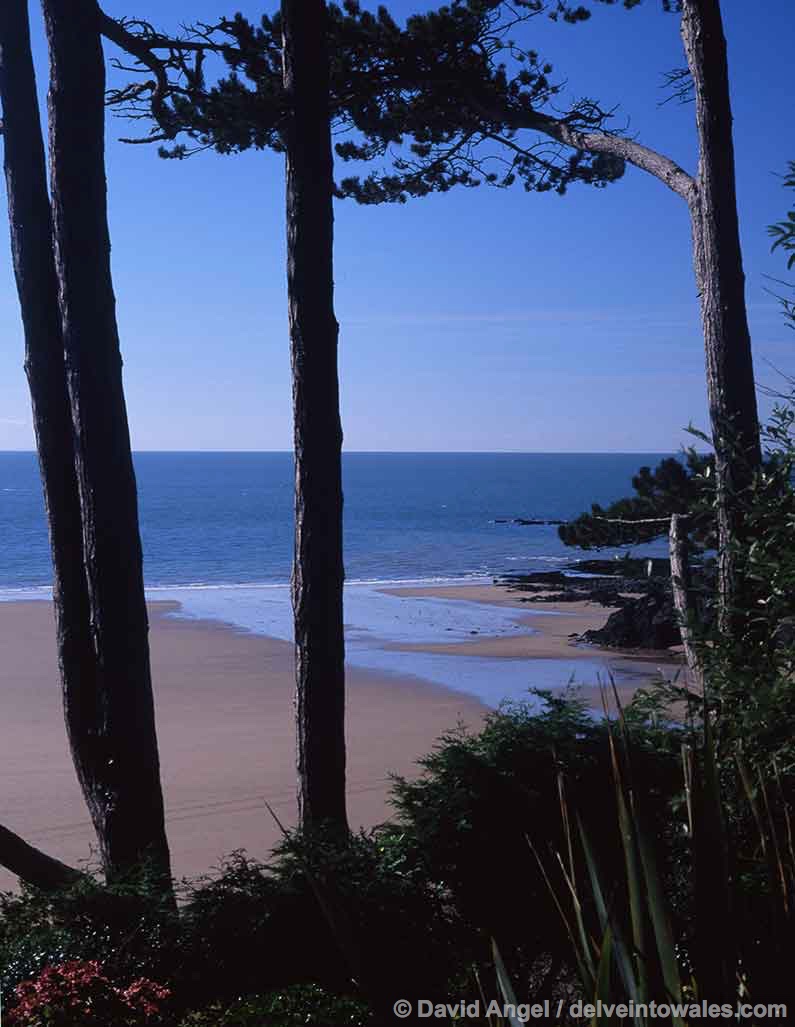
column 553, row 634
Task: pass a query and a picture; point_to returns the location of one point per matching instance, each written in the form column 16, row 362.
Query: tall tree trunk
column 721, row 285
column 124, row 768
column 317, row 570
column 37, row 286
column 718, row 265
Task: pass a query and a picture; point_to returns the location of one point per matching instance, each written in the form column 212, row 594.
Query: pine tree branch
column 657, row 164
column 142, row 47
column 118, row 34
column 642, row 520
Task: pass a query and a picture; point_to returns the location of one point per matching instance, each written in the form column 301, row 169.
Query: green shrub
column 626, row 942
column 128, row 927
column 253, row 928
column 390, row 921
column 468, row 819
column 304, row 1004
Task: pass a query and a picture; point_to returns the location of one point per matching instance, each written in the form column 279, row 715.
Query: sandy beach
column 224, row 702
column 225, row 725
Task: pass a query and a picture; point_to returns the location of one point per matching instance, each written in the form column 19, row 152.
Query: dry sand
column 225, row 725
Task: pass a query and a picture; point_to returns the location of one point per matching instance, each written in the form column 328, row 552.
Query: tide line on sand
column 475, row 638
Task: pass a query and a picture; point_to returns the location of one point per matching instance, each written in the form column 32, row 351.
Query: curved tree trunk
column 123, row 769
column 721, row 286
column 317, row 570
column 33, row 866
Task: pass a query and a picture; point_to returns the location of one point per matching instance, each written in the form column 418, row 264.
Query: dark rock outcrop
column 640, row 588
column 648, row 622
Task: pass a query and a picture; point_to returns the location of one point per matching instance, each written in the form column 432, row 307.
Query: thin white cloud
column 604, row 315
column 13, row 422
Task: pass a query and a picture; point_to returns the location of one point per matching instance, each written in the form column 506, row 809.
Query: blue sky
column 478, row 320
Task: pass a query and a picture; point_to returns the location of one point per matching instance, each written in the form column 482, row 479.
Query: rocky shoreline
column 639, row 589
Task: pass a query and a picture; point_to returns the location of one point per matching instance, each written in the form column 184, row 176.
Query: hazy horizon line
column 408, row 452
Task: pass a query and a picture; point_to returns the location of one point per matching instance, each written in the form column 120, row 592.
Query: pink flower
column 77, row 991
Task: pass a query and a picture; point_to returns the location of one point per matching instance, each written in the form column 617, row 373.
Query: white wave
column 23, row 593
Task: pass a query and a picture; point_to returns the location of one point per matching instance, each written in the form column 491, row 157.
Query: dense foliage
column 254, row 930
column 749, row 672
column 735, row 939
column 419, row 98
column 486, row 800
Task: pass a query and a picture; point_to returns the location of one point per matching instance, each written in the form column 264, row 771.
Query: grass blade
column 607, row 921
column 504, row 982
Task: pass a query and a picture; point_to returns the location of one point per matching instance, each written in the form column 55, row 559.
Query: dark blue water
column 226, row 518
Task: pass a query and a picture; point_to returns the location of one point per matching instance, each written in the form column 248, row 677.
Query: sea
column 217, row 538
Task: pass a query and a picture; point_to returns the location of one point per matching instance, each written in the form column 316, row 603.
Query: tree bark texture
column 37, row 286
column 117, row 724
column 318, row 568
column 721, row 286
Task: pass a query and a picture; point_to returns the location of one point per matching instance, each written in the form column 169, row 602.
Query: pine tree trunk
column 317, row 570
column 31, row 249
column 120, row 724
column 721, row 285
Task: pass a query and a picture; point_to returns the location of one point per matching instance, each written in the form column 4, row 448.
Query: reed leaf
column 582, row 954
column 603, row 976
column 658, row 913
column 505, row 986
column 634, row 877
column 606, row 920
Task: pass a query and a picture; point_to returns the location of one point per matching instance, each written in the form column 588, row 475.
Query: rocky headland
column 638, row 589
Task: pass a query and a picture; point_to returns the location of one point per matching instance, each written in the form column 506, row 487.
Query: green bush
column 128, row 927
column 626, row 942
column 254, row 928
column 390, row 921
column 749, row 673
column 468, row 819
column 307, row 1004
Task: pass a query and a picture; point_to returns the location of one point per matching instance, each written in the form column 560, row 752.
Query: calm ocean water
column 225, row 518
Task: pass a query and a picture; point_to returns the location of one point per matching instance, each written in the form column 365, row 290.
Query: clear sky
column 477, row 320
